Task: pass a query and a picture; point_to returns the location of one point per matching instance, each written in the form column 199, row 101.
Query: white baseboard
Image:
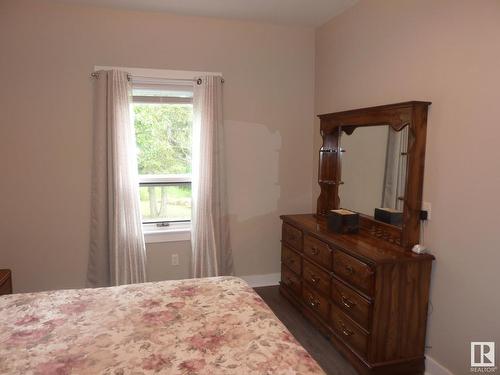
column 432, row 367
column 256, row 281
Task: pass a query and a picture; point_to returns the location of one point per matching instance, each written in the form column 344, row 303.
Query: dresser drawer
column 5, row 282
column 316, row 302
column 352, row 304
column 291, row 280
column 291, row 259
column 352, row 270
column 316, row 277
column 318, row 251
column 349, row 332
column 292, row 236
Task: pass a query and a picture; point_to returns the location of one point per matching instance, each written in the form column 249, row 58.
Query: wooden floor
column 310, row 338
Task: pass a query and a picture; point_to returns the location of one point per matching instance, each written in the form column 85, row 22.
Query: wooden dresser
column 5, row 282
column 369, row 298
column 367, row 292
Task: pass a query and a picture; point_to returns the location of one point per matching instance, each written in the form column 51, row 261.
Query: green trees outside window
column 163, row 134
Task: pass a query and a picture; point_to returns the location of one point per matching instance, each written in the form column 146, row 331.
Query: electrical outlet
column 426, row 206
column 175, row 259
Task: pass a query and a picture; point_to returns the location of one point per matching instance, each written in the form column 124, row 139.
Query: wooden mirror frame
column 412, row 114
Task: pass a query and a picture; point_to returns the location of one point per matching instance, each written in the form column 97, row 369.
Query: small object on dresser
column 5, row 282
column 343, row 221
column 389, row 216
column 419, row 249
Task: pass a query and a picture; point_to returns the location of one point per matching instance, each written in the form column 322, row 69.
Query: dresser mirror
column 373, row 170
column 373, row 158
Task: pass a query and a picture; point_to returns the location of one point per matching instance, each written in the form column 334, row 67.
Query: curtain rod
column 96, row 75
column 130, row 77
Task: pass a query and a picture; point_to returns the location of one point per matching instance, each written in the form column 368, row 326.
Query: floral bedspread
column 203, row 326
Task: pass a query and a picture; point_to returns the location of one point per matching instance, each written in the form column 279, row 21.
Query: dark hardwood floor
column 310, row 338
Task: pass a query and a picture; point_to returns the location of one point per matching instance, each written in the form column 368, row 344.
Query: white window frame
column 176, row 231
column 155, row 231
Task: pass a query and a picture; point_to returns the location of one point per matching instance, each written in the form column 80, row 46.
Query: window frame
column 164, row 230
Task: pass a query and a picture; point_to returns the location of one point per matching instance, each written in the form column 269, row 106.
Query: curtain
column 211, row 248
column 395, row 169
column 117, row 251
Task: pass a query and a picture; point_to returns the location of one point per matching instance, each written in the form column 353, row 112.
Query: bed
column 202, row 326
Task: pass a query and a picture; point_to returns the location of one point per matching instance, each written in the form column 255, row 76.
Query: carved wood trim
column 377, row 229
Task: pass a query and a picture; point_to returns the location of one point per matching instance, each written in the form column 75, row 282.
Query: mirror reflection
column 373, row 170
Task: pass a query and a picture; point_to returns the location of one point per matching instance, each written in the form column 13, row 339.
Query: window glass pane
column 165, row 203
column 163, row 133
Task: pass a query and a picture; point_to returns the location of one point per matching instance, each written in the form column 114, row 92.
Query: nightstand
column 5, row 282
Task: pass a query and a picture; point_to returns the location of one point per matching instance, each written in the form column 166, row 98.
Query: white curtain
column 117, row 251
column 395, row 169
column 211, row 248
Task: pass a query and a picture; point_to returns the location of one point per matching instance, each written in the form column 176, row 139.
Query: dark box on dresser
column 343, row 221
column 389, row 216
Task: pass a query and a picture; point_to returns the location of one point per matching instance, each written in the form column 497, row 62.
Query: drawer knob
column 345, row 331
column 349, row 270
column 347, row 302
column 314, row 279
column 314, row 303
column 314, row 250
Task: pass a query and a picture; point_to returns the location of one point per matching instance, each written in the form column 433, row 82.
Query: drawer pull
column 350, row 270
column 347, row 302
column 345, row 331
column 314, row 251
column 314, row 279
column 313, row 303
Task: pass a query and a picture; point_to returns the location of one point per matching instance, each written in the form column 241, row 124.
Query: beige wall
column 448, row 52
column 159, row 261
column 47, row 52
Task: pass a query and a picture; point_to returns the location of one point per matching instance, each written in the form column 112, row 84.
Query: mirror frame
column 412, row 114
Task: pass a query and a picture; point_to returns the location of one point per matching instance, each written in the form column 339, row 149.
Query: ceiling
column 290, row 12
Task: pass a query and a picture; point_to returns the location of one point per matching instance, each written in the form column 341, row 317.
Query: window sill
column 170, row 234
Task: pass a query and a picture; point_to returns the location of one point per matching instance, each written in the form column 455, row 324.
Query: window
column 163, row 116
